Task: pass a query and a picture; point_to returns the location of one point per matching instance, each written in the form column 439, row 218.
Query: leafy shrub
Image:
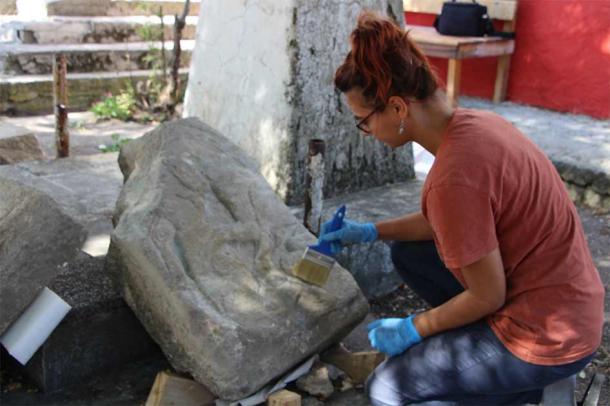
column 121, row 106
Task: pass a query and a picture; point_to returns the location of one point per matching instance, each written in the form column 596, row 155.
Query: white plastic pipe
column 23, row 338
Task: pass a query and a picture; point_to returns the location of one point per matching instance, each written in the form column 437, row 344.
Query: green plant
column 148, row 93
column 117, row 142
column 119, row 106
column 150, row 32
column 144, row 8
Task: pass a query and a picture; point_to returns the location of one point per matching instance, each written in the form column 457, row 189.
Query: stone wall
column 586, row 186
column 42, row 8
column 262, row 73
column 8, row 7
column 22, row 97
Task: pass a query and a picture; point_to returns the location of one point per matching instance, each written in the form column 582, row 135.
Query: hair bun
column 373, row 37
column 383, row 61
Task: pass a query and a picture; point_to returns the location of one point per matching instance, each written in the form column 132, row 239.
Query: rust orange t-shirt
column 489, row 187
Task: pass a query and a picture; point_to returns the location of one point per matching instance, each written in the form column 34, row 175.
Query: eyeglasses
column 362, row 125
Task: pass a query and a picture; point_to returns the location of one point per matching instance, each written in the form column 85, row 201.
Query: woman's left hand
column 393, row 336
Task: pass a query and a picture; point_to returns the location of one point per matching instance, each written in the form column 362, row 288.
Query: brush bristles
column 313, row 267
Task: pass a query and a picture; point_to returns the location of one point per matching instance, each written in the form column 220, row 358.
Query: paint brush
column 317, row 261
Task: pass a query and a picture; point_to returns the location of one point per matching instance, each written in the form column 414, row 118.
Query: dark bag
column 466, row 20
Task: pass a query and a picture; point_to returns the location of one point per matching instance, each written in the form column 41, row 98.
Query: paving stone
column 87, row 133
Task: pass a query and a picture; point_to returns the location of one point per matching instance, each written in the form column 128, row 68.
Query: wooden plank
column 425, row 34
column 454, row 76
column 444, row 46
column 358, row 365
column 284, row 398
column 498, row 9
column 503, row 68
column 468, row 51
column 173, row 390
column 486, row 49
column 501, row 84
column 60, row 104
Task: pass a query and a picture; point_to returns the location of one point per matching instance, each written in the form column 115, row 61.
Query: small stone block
column 284, row 398
column 173, row 390
column 358, row 365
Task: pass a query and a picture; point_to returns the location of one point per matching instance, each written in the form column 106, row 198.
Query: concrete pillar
column 262, row 74
column 32, row 9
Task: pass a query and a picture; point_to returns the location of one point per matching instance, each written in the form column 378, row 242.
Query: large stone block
column 262, row 73
column 204, row 249
column 36, row 240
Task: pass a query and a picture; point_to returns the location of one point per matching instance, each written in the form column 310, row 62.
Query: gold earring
column 401, row 127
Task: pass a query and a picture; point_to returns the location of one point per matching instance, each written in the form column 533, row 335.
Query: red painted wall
column 561, row 60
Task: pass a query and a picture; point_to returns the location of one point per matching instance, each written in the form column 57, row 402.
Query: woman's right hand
column 351, row 232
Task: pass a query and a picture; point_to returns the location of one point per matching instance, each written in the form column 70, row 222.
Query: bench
column 457, row 48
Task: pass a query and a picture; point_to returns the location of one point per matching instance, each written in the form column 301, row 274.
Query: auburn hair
column 384, row 62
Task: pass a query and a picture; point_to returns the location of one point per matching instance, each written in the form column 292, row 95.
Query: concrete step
column 35, row 59
column 120, row 7
column 32, row 94
column 76, row 30
column 136, row 7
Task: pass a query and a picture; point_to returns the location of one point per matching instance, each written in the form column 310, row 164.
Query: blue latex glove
column 393, row 336
column 351, row 232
